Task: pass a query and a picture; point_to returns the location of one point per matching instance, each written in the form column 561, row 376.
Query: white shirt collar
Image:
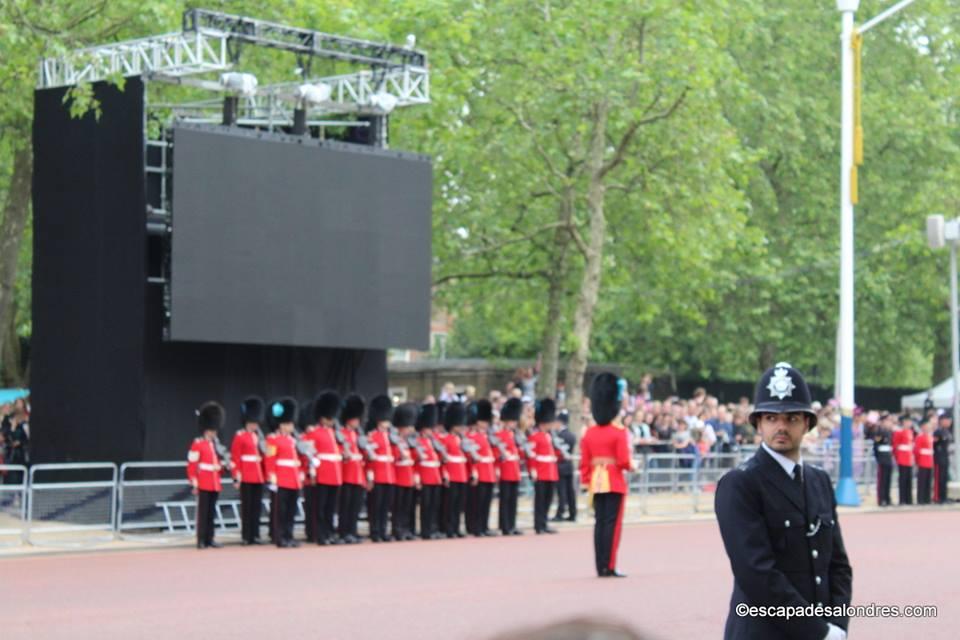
column 783, row 460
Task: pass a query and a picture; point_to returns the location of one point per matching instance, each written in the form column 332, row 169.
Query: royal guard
column 285, row 474
column 247, row 452
column 903, row 453
column 482, row 468
column 542, row 463
column 604, row 459
column 923, row 452
column 883, row 452
column 508, row 463
column 381, row 478
column 329, row 458
column 354, row 474
column 438, row 436
column 454, row 468
column 942, row 439
column 428, row 477
column 308, row 462
column 404, row 418
column 203, row 471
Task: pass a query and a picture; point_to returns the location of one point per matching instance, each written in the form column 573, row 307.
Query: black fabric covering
column 104, row 384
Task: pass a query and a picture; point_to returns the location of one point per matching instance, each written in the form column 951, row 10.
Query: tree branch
column 513, row 275
column 536, row 142
column 632, row 130
column 504, row 243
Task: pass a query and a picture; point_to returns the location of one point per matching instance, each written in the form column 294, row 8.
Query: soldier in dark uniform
column 942, row 439
column 778, row 520
column 566, row 490
column 883, row 452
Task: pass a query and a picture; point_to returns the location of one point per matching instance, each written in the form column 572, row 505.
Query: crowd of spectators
column 14, row 436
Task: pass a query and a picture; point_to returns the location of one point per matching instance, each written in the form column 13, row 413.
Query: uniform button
column 786, row 523
column 815, row 553
column 812, row 527
column 818, row 580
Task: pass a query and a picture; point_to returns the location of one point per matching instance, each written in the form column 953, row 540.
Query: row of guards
column 442, row 458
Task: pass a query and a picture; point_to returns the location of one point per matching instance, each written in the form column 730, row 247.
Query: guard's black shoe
column 549, row 530
column 516, row 532
column 200, row 545
column 215, row 545
column 557, row 519
column 612, row 573
column 460, row 534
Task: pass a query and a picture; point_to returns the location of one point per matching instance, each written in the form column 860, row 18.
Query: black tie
column 798, row 480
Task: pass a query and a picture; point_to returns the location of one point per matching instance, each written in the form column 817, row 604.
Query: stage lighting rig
column 243, row 84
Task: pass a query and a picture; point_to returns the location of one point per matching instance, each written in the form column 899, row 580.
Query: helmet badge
column 781, row 384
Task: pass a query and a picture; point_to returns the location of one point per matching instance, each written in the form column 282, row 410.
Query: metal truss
column 350, row 93
column 302, row 41
column 175, row 54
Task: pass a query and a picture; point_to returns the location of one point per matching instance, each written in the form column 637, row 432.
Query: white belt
column 456, row 459
column 288, row 463
column 405, row 463
column 904, row 447
column 249, row 458
column 926, row 452
column 884, row 448
column 510, row 458
column 206, row 466
column 488, row 459
column 356, row 457
column 383, row 458
column 430, row 464
column 329, row 457
column 546, row 458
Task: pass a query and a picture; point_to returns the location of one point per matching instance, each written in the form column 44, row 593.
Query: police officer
column 566, row 491
column 942, row 439
column 883, row 452
column 203, row 471
column 778, row 520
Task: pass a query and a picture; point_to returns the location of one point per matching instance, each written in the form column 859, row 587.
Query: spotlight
column 314, row 93
column 411, row 41
column 244, row 84
column 385, row 102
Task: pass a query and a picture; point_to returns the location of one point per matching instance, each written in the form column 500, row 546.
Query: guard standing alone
column 778, row 520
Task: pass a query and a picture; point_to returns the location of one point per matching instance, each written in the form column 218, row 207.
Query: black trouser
column 251, row 505
column 286, row 513
column 924, row 476
column 412, row 516
column 940, row 477
column 442, row 508
column 351, row 500
column 206, row 509
column 401, row 523
column 326, row 508
column 906, row 484
column 508, row 506
column 429, row 509
column 542, row 497
column 274, row 510
column 566, row 497
column 884, row 476
column 482, row 508
column 378, row 509
column 606, row 507
column 456, row 495
column 310, row 512
column 470, row 508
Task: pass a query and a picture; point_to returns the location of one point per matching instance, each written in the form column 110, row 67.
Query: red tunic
column 247, row 461
column 604, row 456
column 403, row 465
column 282, row 463
column 903, row 447
column 353, row 471
column 203, row 465
column 483, row 467
column 544, row 459
column 455, row 467
column 428, row 462
column 381, row 462
column 329, row 459
column 923, row 449
column 509, row 462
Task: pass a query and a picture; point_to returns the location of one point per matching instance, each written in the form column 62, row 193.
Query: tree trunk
column 942, row 353
column 590, row 284
column 556, row 294
column 16, row 210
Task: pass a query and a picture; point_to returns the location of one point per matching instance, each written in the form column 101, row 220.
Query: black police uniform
column 782, row 534
column 883, row 452
column 942, row 438
column 566, row 490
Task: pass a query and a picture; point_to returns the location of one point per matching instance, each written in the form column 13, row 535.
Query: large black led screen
column 283, row 240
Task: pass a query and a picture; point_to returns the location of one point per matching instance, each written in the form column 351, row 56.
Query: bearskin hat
column 352, row 409
column 511, row 410
column 251, row 410
column 405, row 415
column 546, row 411
column 455, row 415
column 210, row 417
column 606, row 394
column 326, row 406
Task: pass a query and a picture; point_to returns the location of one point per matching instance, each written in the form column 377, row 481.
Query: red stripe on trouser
column 616, row 532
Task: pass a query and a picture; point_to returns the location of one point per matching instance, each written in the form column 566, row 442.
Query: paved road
column 678, row 587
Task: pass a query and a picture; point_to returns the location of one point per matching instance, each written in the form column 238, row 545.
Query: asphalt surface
column 678, row 586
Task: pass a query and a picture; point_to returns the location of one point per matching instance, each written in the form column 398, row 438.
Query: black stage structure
column 216, row 259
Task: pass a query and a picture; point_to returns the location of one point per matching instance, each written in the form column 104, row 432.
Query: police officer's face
column 783, row 432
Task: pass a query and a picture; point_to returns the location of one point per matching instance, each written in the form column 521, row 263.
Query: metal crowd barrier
column 13, row 504
column 58, row 511
column 144, row 493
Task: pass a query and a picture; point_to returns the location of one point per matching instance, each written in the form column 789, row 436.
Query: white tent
column 941, row 396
